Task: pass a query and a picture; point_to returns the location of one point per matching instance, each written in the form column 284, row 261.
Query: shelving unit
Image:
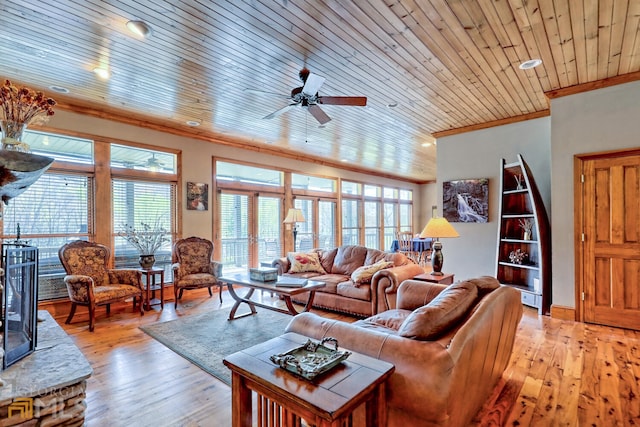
column 520, row 203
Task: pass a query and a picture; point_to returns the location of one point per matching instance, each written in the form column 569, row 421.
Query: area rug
column 206, row 339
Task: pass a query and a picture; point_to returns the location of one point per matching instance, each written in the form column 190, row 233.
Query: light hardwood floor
column 562, row 373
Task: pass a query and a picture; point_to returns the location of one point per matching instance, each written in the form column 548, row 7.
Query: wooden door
column 611, row 263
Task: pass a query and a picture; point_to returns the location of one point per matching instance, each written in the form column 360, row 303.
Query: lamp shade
column 293, row 216
column 439, row 227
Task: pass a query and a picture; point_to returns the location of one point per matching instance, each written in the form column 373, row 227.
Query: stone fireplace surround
column 48, row 386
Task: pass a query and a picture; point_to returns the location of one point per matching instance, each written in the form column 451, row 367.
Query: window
column 137, row 202
column 386, row 210
column 248, row 174
column 350, row 222
column 61, row 147
column 126, row 157
column 53, row 211
column 307, row 182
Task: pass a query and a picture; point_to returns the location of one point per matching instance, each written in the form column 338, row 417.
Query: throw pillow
column 305, row 262
column 441, row 314
column 364, row 274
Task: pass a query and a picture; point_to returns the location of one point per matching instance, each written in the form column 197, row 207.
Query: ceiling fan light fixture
column 139, row 28
column 529, row 64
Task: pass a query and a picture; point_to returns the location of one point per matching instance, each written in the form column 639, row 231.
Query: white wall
column 478, row 154
column 599, row 120
column 197, row 164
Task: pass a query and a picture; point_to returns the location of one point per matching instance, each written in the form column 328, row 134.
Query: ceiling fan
column 307, row 96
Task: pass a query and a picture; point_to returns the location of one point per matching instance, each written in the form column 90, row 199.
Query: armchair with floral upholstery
column 193, row 267
column 91, row 283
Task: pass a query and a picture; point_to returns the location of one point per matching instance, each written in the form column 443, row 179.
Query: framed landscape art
column 466, row 200
column 197, row 196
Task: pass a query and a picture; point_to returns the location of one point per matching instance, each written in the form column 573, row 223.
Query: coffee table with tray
column 243, row 279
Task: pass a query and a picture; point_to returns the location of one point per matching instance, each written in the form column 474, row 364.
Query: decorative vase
column 12, row 135
column 147, row 261
column 527, row 235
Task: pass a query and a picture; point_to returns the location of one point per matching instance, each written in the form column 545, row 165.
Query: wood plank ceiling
column 427, row 66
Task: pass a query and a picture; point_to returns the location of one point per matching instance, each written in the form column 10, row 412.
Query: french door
column 250, row 229
column 319, row 228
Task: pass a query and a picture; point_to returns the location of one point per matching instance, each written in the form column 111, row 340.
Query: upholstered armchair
column 193, row 267
column 91, row 283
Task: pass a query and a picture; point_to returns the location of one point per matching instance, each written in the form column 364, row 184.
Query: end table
column 445, row 279
column 151, row 286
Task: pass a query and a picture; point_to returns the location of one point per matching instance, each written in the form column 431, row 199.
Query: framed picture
column 466, row 200
column 197, row 196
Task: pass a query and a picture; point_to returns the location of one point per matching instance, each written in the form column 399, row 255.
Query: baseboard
column 563, row 313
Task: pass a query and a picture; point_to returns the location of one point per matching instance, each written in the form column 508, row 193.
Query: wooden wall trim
column 494, row 123
column 586, row 87
column 563, row 313
column 68, row 104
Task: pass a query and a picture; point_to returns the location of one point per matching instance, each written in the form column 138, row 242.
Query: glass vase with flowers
column 147, row 239
column 19, row 107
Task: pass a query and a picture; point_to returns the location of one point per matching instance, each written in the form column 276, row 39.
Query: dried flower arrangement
column 18, row 108
column 22, row 105
column 526, row 224
column 518, row 257
column 147, row 239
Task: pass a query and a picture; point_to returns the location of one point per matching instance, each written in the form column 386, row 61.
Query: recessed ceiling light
column 344, row 160
column 59, row 89
column 139, row 28
column 426, row 144
column 392, row 104
column 193, row 123
column 531, row 63
column 103, row 73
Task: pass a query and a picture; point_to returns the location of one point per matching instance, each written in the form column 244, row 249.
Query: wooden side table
column 284, row 399
column 151, row 286
column 445, row 279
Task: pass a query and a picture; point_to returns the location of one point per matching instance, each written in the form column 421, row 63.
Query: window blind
column 138, row 202
column 54, row 210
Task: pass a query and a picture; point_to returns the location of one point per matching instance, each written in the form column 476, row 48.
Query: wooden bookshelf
column 521, row 202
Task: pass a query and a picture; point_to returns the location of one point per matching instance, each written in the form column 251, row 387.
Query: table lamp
column 437, row 228
column 294, row 216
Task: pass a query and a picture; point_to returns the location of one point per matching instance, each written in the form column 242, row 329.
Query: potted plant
column 146, row 239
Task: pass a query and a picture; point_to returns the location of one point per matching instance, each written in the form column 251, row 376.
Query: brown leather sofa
column 444, row 380
column 341, row 293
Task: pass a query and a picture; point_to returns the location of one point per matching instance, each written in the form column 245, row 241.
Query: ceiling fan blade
column 264, row 92
column 312, row 85
column 280, row 111
column 359, row 101
column 318, row 114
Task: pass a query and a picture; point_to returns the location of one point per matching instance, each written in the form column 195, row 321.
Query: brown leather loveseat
column 450, row 346
column 359, row 280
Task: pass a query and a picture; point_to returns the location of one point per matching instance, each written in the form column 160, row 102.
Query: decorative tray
column 311, row 359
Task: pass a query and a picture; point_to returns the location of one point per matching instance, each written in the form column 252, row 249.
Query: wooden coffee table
column 242, row 279
column 284, row 399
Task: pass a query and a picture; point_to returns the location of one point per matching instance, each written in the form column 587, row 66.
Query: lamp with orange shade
column 437, row 228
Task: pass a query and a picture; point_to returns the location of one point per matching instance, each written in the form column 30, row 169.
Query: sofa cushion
column 375, row 255
column 331, row 282
column 302, row 262
column 350, row 290
column 485, row 284
column 364, row 274
column 327, row 257
column 348, row 258
column 441, row 314
column 390, row 319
